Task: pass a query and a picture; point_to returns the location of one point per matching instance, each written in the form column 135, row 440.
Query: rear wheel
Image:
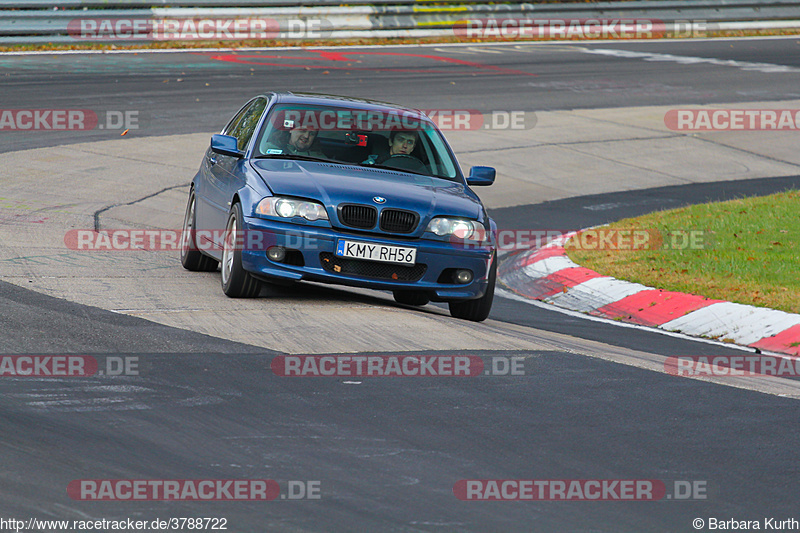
column 236, row 281
column 192, row 258
column 411, row 297
column 477, row 310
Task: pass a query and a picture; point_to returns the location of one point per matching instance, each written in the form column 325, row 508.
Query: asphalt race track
column 593, row 403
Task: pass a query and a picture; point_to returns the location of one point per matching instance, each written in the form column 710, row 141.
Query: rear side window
column 235, row 120
column 243, row 126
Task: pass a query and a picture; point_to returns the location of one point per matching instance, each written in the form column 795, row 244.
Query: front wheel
column 477, row 310
column 236, row 281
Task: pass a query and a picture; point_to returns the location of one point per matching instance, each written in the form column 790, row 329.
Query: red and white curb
column 548, row 275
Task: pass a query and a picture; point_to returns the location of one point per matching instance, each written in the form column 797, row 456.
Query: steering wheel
column 404, row 162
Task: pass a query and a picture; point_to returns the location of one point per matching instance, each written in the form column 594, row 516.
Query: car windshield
column 388, row 138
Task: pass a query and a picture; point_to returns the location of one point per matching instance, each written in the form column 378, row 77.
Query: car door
column 225, row 175
column 210, row 201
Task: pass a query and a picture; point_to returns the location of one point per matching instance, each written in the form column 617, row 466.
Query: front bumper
column 317, row 244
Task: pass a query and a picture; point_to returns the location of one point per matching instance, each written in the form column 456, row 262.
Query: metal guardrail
column 46, row 21
column 563, row 5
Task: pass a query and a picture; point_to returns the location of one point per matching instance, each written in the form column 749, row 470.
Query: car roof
column 344, row 101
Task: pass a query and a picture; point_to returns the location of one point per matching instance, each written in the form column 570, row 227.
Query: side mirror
column 225, row 145
column 481, row 176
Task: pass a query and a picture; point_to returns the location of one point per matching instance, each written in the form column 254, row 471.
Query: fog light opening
column 463, row 276
column 276, row 253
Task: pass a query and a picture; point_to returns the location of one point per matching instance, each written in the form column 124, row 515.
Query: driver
column 300, row 141
column 297, row 141
column 402, row 142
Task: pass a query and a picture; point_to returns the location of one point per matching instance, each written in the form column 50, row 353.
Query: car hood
column 334, row 184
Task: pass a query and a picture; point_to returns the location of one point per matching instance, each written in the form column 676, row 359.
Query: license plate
column 383, row 253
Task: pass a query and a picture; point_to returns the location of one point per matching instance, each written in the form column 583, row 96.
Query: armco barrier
column 43, row 21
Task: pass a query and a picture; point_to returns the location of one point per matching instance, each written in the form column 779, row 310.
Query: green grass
column 748, row 251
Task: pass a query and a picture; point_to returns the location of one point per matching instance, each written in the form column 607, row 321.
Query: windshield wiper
column 385, row 167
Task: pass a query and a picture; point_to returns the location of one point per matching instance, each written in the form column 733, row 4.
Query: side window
column 235, row 120
column 244, row 128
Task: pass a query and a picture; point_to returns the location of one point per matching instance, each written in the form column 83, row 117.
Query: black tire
column 477, row 310
column 411, row 297
column 192, row 258
column 236, row 281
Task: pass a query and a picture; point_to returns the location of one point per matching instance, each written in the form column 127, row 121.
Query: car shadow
column 309, row 291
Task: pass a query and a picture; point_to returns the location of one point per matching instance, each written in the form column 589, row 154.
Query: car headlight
column 461, row 228
column 279, row 206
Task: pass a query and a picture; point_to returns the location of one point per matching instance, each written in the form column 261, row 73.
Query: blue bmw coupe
column 345, row 191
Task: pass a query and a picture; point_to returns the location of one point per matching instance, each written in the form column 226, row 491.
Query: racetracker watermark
column 626, row 240
column 173, row 489
column 68, row 120
column 192, row 490
column 607, row 239
column 578, row 490
column 197, row 29
column 360, row 120
column 394, row 366
column 730, row 366
column 463, row 119
column 61, row 366
column 119, row 240
column 733, row 119
column 506, row 240
column 578, row 29
column 567, row 29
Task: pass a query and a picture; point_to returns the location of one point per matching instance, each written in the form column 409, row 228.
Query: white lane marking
column 511, row 296
column 484, row 50
column 646, row 360
column 595, row 293
column 744, row 324
column 452, row 51
column 768, row 68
